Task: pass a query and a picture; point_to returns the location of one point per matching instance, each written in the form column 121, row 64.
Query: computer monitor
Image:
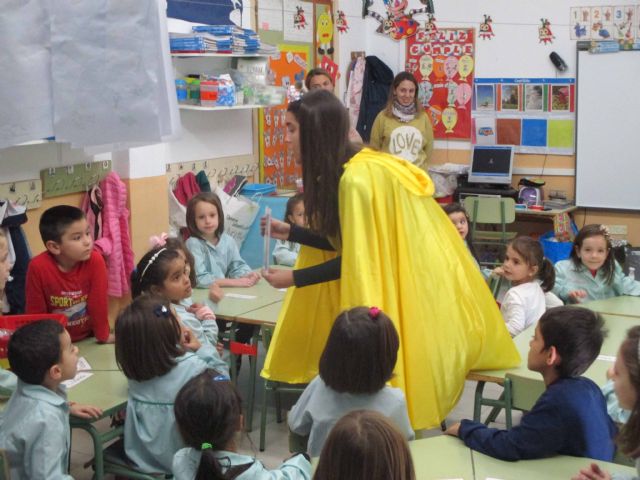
column 491, row 164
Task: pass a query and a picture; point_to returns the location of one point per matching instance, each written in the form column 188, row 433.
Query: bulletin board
column 443, row 64
column 277, row 165
column 535, row 115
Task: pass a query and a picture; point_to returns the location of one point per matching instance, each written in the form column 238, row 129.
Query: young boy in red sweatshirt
column 70, row 277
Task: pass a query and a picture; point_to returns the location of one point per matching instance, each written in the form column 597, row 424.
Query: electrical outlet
column 618, row 229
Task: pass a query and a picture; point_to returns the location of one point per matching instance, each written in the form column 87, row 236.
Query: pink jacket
column 115, row 243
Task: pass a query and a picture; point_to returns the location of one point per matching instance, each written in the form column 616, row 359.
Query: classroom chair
column 496, row 212
column 117, row 463
column 276, row 387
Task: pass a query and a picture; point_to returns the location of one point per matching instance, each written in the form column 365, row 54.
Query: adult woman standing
column 403, row 128
column 377, row 237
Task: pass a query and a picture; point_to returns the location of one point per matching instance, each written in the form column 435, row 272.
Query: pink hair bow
column 158, row 240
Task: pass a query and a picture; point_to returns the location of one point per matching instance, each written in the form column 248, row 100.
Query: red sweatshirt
column 80, row 294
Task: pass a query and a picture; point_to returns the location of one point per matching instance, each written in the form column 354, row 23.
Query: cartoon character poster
column 442, row 62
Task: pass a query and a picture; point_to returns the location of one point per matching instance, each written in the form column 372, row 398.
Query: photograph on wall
column 485, row 97
column 533, row 96
column 510, row 97
column 442, row 62
column 560, row 98
column 485, row 130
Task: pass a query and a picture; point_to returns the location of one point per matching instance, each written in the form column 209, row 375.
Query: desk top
column 625, row 305
column 101, row 356
column 106, row 390
column 441, row 457
column 561, row 466
column 241, row 300
column 545, row 213
column 267, row 315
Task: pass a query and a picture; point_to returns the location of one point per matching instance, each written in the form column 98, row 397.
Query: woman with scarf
column 403, row 128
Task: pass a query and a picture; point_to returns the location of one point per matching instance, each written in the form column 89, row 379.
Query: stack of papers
column 200, row 43
column 243, row 40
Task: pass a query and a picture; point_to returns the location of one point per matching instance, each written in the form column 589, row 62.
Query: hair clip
column 605, row 231
column 374, row 312
column 221, row 378
column 151, row 260
column 161, row 311
column 158, row 240
column 205, row 446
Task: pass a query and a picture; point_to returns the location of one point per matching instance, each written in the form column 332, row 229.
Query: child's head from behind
column 361, row 351
column 205, row 217
column 5, row 266
column 208, row 412
column 365, row 445
column 525, row 262
column 592, row 248
column 162, row 271
column 294, row 214
column 41, row 353
column 147, row 338
column 568, row 339
column 66, row 233
column 458, row 215
column 626, row 381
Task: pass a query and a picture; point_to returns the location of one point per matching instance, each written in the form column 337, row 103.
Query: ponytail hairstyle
column 152, row 270
column 208, row 411
column 365, row 445
column 451, row 208
column 594, row 230
column 629, row 436
column 531, row 251
column 175, row 243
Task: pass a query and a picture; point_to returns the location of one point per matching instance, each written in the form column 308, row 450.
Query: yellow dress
column 401, row 253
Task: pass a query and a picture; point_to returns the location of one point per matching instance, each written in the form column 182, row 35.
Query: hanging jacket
column 203, row 181
column 92, row 208
column 115, row 244
column 378, row 78
column 12, row 216
column 186, row 187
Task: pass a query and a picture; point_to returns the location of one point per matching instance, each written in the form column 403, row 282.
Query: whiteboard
column 608, row 130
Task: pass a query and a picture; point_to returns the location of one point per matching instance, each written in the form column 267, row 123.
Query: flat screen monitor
column 491, row 164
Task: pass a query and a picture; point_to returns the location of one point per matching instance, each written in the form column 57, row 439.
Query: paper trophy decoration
column 324, row 33
column 485, row 30
column 331, row 67
column 544, row 32
column 341, row 22
column 398, row 23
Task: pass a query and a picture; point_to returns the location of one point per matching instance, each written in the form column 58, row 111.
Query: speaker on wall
column 557, row 61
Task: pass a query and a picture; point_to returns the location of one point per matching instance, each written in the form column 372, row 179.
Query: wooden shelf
column 235, row 107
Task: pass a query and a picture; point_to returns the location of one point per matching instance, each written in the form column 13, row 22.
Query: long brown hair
column 397, row 80
column 364, row 445
column 629, row 437
column 324, row 149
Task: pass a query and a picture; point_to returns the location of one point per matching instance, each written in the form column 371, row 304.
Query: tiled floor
column 277, row 446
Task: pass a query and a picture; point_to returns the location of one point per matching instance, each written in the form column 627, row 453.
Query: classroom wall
column 514, row 52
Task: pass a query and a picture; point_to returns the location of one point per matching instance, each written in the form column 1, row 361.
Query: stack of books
column 243, row 40
column 199, row 43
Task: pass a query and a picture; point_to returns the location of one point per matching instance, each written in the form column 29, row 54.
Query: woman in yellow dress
column 377, row 237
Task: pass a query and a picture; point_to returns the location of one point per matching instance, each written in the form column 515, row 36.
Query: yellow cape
column 401, row 253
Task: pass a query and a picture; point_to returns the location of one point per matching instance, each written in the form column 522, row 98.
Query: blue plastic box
column 251, row 189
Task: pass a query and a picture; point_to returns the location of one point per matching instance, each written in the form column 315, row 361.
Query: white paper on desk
column 266, row 247
column 83, row 365
column 607, row 358
column 81, row 376
column 240, row 296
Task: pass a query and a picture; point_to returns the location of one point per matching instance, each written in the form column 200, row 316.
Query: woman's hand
column 279, row 278
column 279, row 230
column 592, row 472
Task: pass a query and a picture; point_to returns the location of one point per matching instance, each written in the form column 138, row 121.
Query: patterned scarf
column 404, row 113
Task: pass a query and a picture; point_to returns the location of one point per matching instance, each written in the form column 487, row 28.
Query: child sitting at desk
column 70, row 277
column 286, row 252
column 626, row 380
column 35, row 431
column 365, row 445
column 570, row 418
column 208, row 412
column 592, row 273
column 8, row 380
column 357, row 362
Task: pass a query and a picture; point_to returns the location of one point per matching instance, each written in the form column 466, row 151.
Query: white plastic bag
column 239, row 214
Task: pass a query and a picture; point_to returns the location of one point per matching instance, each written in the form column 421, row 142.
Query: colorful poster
column 536, row 115
column 290, row 64
column 619, row 22
column 298, row 21
column 443, row 63
column 276, row 164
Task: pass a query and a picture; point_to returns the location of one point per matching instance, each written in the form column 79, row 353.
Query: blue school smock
column 187, row 460
column 8, row 383
column 569, row 278
column 35, row 433
column 320, row 407
column 213, row 262
column 206, row 330
column 286, row 252
column 151, row 436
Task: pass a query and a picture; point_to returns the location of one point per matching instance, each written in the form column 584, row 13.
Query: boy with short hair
column 70, row 277
column 570, row 418
column 34, row 431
